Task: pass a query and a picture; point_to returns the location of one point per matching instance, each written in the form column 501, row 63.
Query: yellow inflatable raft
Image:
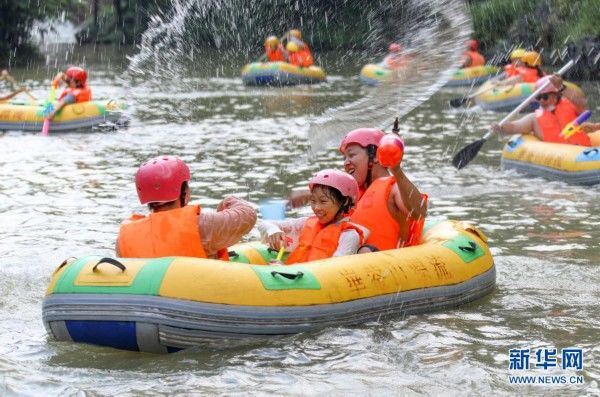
column 373, row 74
column 78, row 116
column 556, row 161
column 167, row 304
column 471, row 76
column 280, row 73
column 505, row 98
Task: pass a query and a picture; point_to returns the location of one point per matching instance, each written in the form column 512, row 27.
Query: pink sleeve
column 234, row 218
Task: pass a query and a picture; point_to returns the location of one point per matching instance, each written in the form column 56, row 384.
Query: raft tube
column 167, row 304
column 471, row 76
column 506, row 98
column 556, row 161
column 281, row 73
column 374, row 74
column 78, row 116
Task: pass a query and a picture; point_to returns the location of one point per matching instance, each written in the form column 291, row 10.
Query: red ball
column 390, row 151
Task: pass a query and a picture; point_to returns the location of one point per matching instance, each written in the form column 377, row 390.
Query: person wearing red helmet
column 76, row 91
column 329, row 231
column 559, row 106
column 472, row 57
column 174, row 228
column 390, row 206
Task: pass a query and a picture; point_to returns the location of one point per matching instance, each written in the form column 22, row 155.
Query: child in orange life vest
column 77, row 90
column 329, row 232
column 472, row 57
column 558, row 107
column 174, row 228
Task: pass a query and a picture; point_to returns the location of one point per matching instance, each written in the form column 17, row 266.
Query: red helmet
column 159, row 180
column 362, row 136
column 473, row 44
column 339, row 180
column 76, row 73
column 394, row 47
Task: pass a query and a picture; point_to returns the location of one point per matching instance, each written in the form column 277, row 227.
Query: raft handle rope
column 471, row 248
column 289, row 276
column 110, row 261
column 64, row 263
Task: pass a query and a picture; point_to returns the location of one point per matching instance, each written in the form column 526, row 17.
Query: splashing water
column 435, row 32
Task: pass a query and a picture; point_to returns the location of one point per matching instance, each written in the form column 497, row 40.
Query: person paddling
column 472, row 57
column 559, row 105
column 77, row 90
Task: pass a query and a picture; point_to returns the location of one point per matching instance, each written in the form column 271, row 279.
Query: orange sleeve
column 234, row 218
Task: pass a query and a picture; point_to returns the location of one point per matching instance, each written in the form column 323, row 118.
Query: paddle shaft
column 530, row 98
column 12, row 80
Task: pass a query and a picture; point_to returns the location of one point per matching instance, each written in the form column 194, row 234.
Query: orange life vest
column 476, row 58
column 275, row 55
column 81, row 94
column 319, row 242
column 372, row 212
column 167, row 233
column 552, row 123
column 511, row 70
column 306, row 57
column 529, row 75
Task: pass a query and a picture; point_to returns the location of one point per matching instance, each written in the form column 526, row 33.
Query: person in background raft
column 76, row 91
column 274, row 50
column 389, row 206
column 472, row 57
column 329, row 232
column 512, row 69
column 174, row 228
column 303, row 53
column 395, row 57
column 529, row 72
column 559, row 105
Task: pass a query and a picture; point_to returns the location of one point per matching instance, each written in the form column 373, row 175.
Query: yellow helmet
column 296, row 33
column 531, row 58
column 272, row 41
column 517, row 53
column 291, row 47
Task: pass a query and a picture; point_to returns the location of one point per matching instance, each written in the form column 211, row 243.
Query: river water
column 65, row 195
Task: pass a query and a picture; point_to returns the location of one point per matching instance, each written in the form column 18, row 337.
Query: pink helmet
column 159, row 180
column 362, row 136
column 77, row 74
column 339, row 180
column 549, row 88
column 394, row 47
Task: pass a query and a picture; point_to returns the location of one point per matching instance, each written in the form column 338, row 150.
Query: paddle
column 14, row 82
column 458, row 102
column 468, row 153
column 48, row 109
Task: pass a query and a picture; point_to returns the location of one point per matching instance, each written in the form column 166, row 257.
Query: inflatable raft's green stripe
column 146, row 282
column 275, row 281
column 463, row 246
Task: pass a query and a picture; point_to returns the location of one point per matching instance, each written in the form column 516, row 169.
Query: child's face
column 324, row 207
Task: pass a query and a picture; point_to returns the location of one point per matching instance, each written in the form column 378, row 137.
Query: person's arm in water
column 234, row 218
